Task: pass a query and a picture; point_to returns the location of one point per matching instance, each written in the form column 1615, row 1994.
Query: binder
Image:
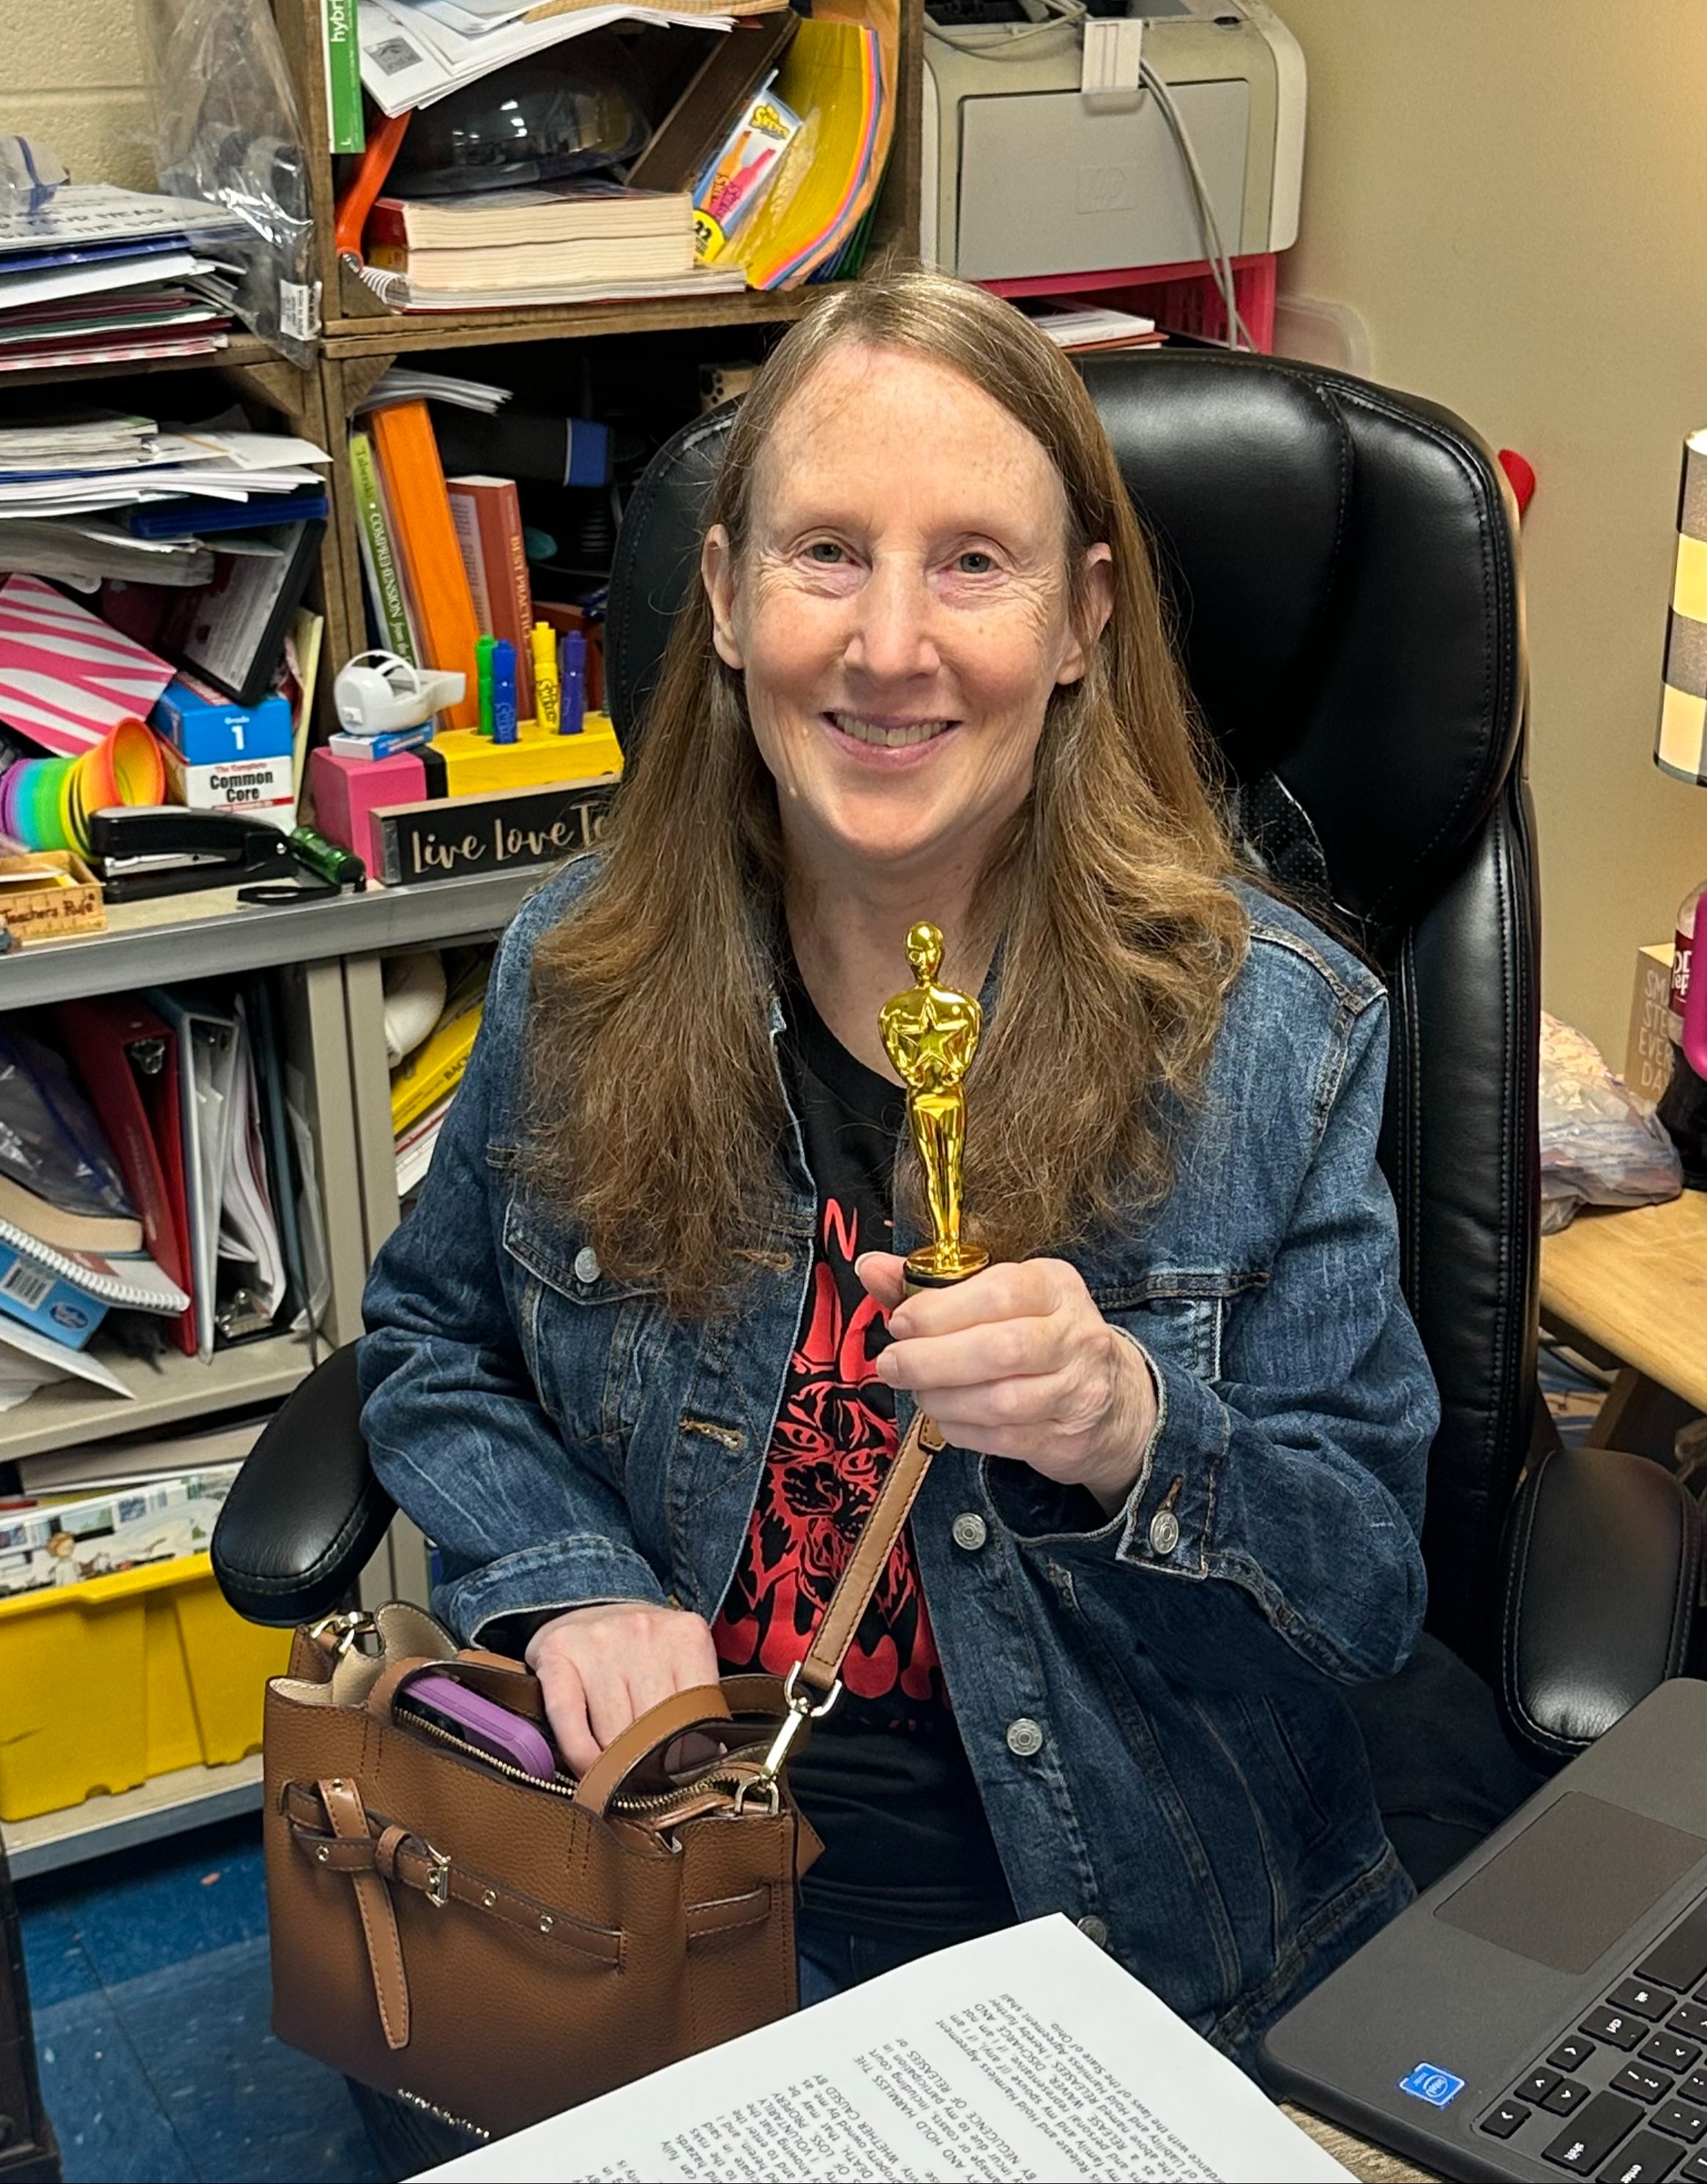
column 127, row 1058
column 206, row 1040
column 413, row 480
column 275, row 1140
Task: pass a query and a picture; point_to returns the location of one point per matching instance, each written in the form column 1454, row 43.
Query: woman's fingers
column 565, row 1709
column 884, row 1276
column 995, row 1350
column 601, row 1668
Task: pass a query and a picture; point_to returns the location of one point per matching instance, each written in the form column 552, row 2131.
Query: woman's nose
column 892, row 635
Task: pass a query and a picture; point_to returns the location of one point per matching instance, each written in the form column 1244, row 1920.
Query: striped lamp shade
column 1681, row 747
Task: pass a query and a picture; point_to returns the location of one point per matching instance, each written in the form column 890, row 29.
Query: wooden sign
column 449, row 837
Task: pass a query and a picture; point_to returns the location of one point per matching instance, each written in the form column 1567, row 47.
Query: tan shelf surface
column 1636, row 1282
column 189, row 1797
column 71, row 1412
column 418, row 330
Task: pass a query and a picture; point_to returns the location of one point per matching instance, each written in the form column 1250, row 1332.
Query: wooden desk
column 1635, row 1283
column 1371, row 2164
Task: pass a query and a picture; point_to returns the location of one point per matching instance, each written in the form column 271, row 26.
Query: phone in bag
column 490, row 1728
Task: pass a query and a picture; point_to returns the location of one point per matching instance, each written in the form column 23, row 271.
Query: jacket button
column 587, row 1265
column 1165, row 1532
column 1024, row 1737
column 1093, row 1929
column 969, row 1530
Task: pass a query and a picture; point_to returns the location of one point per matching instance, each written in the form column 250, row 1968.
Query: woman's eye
column 974, row 563
column 824, row 551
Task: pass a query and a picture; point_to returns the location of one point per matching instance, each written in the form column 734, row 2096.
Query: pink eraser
column 346, row 790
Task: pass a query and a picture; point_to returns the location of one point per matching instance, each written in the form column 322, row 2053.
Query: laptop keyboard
column 1623, row 2097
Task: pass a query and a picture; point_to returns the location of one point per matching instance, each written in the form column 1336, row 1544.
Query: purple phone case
column 481, row 1721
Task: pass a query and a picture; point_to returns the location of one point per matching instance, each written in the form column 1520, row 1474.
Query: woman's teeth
column 873, row 731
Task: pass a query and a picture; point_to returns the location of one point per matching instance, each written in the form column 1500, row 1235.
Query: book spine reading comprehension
column 343, row 76
column 379, row 556
column 445, row 839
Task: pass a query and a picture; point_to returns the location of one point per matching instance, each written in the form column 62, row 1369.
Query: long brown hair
column 657, row 1114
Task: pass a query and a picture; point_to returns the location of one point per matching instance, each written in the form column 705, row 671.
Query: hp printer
column 1026, row 173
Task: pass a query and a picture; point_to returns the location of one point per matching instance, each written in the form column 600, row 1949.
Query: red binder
column 127, row 1059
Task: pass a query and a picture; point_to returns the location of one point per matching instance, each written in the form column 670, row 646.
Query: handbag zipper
column 656, row 1802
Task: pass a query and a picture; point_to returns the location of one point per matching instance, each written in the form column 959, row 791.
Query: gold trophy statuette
column 931, row 1033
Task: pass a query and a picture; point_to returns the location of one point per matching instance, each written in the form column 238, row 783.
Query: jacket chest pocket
column 1179, row 1314
column 584, row 1336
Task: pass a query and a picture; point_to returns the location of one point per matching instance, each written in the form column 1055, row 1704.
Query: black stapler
column 143, row 850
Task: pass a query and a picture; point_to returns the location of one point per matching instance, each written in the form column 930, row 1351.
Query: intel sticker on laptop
column 1429, row 2082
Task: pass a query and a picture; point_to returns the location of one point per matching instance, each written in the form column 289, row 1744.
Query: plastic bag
column 1600, row 1145
column 226, row 130
column 49, row 1141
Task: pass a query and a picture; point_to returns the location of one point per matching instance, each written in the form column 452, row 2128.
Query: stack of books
column 106, row 275
column 1095, row 329
column 493, row 248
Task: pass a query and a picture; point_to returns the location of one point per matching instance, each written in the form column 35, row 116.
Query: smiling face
column 900, row 612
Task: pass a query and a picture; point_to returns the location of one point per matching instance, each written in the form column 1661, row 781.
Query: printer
column 1025, row 173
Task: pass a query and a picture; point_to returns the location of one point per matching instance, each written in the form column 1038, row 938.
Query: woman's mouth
column 887, row 735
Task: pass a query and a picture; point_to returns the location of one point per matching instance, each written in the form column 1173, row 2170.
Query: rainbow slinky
column 45, row 803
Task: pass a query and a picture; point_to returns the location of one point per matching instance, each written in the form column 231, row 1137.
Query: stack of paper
column 406, row 382
column 1091, row 329
column 89, row 465
column 101, row 276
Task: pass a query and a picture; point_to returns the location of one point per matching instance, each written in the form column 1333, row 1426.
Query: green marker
column 482, row 662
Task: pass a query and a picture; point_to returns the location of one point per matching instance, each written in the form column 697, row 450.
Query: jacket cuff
column 576, row 1572
column 1165, row 1522
column 1034, row 1508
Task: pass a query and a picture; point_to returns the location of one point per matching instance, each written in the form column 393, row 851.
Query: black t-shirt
column 907, row 1852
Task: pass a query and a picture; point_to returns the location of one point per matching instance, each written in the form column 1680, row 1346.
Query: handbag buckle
column 438, row 1880
column 801, row 1710
column 351, row 1629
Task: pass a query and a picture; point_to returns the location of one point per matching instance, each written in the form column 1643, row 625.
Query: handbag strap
column 822, row 1670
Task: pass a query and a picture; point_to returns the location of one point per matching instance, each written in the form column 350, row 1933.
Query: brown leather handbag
column 493, row 1948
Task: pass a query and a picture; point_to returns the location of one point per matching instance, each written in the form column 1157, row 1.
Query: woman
column 628, row 1363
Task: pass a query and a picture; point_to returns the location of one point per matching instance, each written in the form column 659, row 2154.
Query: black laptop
column 1541, row 2012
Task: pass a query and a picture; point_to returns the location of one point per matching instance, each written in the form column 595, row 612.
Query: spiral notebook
column 129, row 1278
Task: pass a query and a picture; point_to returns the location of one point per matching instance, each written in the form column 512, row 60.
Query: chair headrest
column 1340, row 562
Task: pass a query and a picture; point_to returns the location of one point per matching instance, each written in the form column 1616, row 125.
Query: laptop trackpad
column 1577, row 1877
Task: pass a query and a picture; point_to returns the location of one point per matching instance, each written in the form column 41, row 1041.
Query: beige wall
column 1513, row 195
column 73, row 74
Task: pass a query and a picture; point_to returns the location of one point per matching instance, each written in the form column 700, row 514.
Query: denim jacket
column 1152, row 1706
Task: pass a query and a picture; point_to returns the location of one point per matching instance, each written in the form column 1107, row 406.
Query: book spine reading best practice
column 379, row 558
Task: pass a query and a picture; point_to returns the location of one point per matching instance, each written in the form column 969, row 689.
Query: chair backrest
column 1340, row 562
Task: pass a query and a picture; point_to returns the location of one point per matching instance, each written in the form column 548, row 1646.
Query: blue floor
column 148, row 1981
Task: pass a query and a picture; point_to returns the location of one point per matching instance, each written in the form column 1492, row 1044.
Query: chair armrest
column 305, row 1511
column 1602, row 1559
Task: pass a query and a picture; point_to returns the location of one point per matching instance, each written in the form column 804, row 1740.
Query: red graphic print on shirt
column 834, row 1441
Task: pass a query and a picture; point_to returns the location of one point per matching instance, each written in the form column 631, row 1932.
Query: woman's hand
column 601, row 1668
column 1018, row 1362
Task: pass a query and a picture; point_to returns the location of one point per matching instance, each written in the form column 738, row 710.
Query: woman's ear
column 717, row 574
column 1097, row 593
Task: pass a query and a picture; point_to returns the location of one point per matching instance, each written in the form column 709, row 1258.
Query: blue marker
column 504, row 692
column 572, row 675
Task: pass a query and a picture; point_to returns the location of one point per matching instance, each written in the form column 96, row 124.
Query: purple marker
column 572, row 675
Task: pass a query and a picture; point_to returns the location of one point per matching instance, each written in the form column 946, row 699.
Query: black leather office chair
column 1343, row 564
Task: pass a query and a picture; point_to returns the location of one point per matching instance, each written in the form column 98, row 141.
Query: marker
column 482, row 663
column 503, row 727
column 548, row 690
column 573, row 701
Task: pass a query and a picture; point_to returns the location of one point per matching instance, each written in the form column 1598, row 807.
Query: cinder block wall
column 73, row 75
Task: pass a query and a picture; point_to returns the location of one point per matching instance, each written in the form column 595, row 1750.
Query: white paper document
column 1026, row 2054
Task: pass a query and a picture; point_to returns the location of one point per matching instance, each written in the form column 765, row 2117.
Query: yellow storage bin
column 104, row 1684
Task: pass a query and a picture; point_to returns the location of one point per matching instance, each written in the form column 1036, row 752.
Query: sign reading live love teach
column 450, row 837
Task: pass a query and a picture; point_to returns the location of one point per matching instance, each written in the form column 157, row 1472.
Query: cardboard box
column 210, row 730
column 35, row 908
column 256, row 787
column 1649, row 1048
